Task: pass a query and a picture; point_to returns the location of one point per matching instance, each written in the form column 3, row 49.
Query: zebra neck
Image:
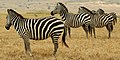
column 16, row 23
column 63, row 15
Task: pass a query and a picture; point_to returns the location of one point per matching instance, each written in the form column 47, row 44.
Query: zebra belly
column 99, row 26
column 38, row 38
column 74, row 26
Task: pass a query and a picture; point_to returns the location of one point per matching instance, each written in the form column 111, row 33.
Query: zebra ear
column 79, row 8
column 8, row 10
column 58, row 3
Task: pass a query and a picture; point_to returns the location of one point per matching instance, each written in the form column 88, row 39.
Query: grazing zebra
column 72, row 20
column 36, row 29
column 99, row 21
column 101, row 11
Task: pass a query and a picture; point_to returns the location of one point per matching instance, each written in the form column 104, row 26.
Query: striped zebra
column 36, row 29
column 99, row 21
column 101, row 11
column 72, row 20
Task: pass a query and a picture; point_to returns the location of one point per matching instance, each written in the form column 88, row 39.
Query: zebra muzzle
column 7, row 27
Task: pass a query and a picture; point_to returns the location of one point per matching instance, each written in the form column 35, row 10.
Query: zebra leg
column 55, row 42
column 109, row 28
column 86, row 30
column 27, row 47
column 94, row 32
column 66, row 28
column 90, row 30
column 69, row 32
column 26, row 35
column 64, row 38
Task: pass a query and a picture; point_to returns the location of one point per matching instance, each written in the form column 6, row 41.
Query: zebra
column 101, row 11
column 72, row 20
column 36, row 29
column 99, row 21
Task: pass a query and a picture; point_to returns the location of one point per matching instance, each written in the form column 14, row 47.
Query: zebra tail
column 63, row 38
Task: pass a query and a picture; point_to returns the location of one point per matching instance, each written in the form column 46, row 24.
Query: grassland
column 101, row 48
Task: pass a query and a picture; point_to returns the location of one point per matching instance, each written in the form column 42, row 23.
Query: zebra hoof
column 29, row 54
column 54, row 53
column 109, row 37
column 94, row 37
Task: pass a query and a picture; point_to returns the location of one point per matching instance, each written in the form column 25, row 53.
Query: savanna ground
column 101, row 48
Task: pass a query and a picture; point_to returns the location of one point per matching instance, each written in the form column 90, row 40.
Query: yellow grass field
column 101, row 48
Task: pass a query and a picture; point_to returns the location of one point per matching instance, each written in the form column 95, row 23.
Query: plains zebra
column 36, row 29
column 72, row 20
column 99, row 21
column 101, row 11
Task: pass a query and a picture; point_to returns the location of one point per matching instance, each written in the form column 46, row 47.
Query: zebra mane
column 63, row 6
column 11, row 10
column 86, row 9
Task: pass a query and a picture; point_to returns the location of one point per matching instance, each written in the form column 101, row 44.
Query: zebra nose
column 52, row 13
column 7, row 28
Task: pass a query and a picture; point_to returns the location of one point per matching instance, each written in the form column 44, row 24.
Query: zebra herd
column 42, row 28
column 86, row 18
column 99, row 19
column 72, row 20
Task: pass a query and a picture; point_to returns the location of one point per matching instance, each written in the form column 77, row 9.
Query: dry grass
column 101, row 48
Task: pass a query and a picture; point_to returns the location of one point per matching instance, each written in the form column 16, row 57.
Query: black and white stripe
column 101, row 11
column 36, row 29
column 72, row 20
column 99, row 20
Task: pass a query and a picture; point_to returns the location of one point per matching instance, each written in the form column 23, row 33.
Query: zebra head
column 100, row 11
column 81, row 10
column 59, row 9
column 10, row 17
column 8, row 20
